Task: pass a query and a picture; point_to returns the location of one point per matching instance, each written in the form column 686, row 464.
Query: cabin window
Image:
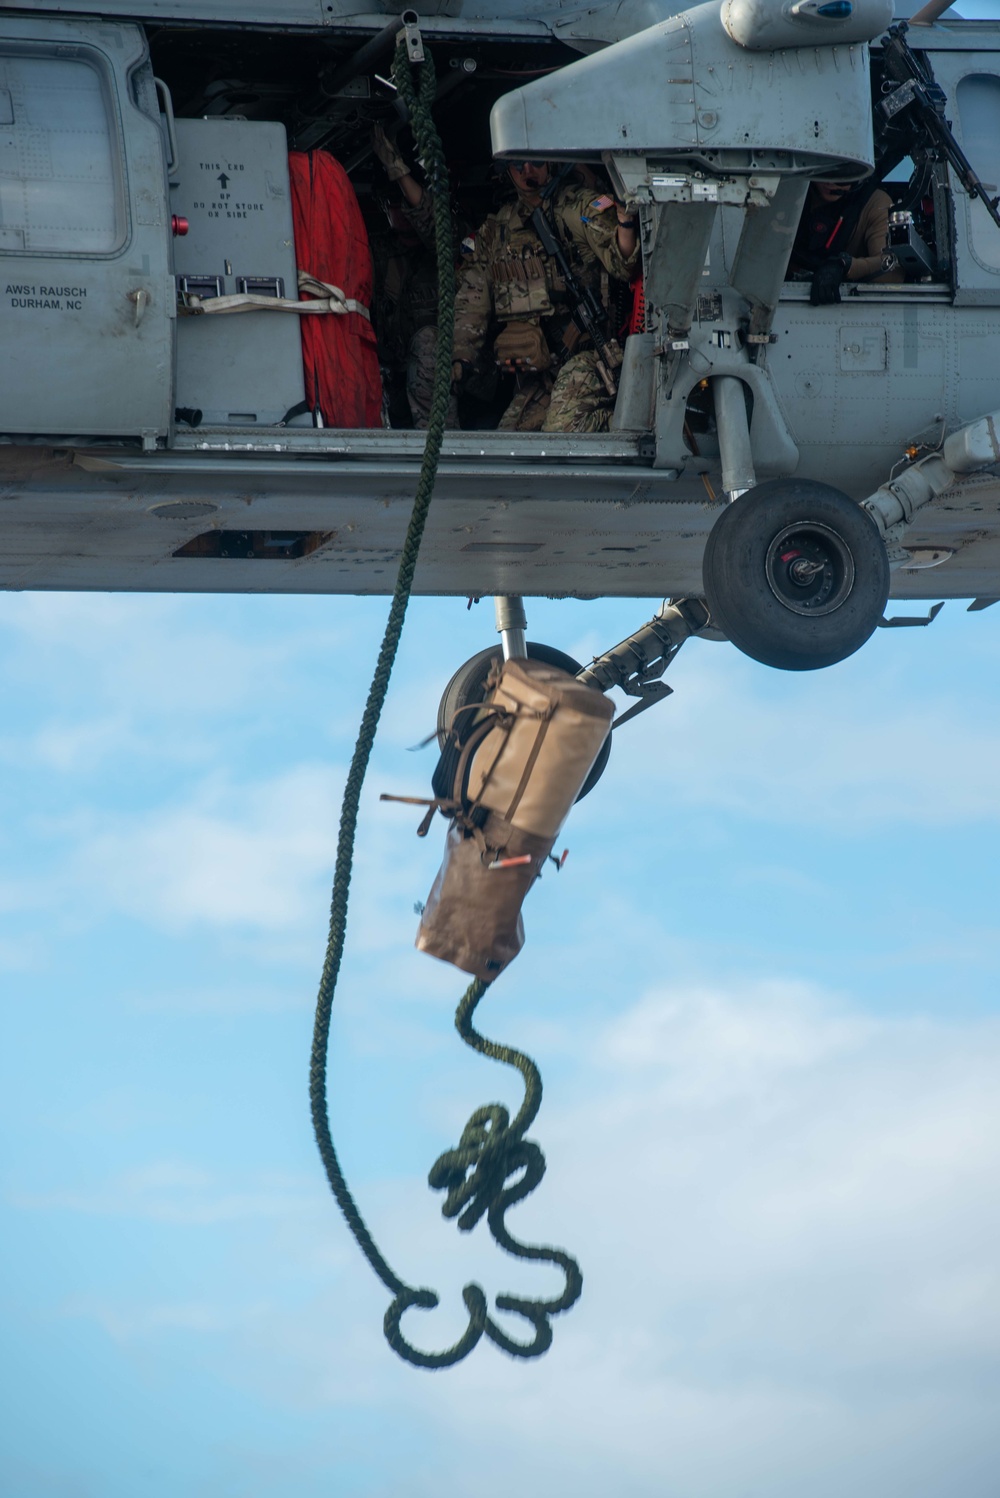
column 979, row 112
column 59, row 170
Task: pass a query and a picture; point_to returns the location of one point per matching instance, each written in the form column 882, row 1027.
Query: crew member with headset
column 511, row 279
column 843, row 236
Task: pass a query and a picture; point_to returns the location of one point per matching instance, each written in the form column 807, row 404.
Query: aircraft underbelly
column 100, row 522
column 251, row 523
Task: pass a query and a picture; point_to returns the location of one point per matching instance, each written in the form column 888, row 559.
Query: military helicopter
column 774, row 467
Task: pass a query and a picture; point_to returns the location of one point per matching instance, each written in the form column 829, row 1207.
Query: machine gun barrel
column 928, row 101
column 587, row 310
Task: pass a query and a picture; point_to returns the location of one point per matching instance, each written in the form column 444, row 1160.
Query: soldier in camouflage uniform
column 512, row 281
column 408, row 296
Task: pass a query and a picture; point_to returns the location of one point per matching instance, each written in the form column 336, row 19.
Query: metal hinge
column 411, row 35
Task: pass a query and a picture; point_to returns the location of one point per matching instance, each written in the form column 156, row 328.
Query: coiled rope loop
column 495, row 1151
column 475, row 1178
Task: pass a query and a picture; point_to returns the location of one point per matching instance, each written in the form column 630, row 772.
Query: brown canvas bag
column 472, row 918
column 520, row 770
column 549, row 729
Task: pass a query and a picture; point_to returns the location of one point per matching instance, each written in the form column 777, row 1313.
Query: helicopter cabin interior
column 112, row 135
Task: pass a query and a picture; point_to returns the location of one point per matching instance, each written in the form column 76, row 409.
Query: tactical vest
column 524, row 281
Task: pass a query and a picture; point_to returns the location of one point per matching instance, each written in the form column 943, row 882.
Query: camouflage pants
column 580, row 401
column 527, row 410
column 420, row 379
column 576, row 401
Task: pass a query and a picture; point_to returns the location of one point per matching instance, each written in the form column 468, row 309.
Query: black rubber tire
column 468, row 685
column 760, row 604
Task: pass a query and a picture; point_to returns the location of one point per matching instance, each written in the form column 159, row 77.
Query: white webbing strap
column 328, row 298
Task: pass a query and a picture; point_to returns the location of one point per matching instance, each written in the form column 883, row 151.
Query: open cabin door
column 86, row 299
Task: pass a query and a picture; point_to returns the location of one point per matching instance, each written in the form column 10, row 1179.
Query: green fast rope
column 490, row 1147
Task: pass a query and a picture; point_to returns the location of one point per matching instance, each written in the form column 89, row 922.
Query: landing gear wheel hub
column 809, row 569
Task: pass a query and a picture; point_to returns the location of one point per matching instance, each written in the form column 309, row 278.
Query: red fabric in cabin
column 637, row 321
column 331, row 243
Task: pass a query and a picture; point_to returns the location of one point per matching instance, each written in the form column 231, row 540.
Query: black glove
column 826, row 281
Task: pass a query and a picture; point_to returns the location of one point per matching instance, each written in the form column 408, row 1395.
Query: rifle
column 588, row 314
column 916, row 87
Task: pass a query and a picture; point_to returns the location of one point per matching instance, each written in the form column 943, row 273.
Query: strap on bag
column 529, row 764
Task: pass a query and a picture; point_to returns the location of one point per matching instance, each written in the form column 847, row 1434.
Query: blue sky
column 762, row 995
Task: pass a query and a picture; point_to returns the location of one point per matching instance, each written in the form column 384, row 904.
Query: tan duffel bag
column 533, row 748
column 549, row 730
column 473, row 913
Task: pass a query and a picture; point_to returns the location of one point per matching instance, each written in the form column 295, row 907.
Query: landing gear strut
column 511, row 624
column 636, row 665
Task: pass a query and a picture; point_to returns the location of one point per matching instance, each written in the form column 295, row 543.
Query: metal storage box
column 237, row 368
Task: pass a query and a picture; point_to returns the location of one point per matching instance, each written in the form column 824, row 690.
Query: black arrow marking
column 224, row 180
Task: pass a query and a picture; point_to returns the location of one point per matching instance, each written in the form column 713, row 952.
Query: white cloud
column 19, row 956
column 171, row 1191
column 788, row 1227
column 253, row 857
column 231, row 855
column 843, row 749
column 81, row 746
column 828, row 1141
column 141, row 1322
column 125, row 679
column 786, row 1216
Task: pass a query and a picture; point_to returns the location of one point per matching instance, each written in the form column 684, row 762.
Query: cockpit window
column 979, row 113
column 59, row 180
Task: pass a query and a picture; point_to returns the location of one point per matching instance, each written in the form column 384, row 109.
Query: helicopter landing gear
column 468, row 685
column 511, row 624
column 796, row 574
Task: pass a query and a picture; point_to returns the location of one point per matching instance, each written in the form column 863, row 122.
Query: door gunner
column 842, row 236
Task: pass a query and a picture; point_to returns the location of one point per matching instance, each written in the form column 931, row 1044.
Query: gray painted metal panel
column 956, row 36
column 767, row 28
column 90, row 329
column 573, row 528
column 505, row 16
column 586, row 27
column 683, row 89
column 861, row 380
column 232, row 186
column 533, row 528
column 492, row 448
column 278, row 13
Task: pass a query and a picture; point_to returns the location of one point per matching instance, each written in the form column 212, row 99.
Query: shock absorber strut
column 639, row 661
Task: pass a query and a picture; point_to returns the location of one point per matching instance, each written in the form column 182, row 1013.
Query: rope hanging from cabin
column 491, row 1149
